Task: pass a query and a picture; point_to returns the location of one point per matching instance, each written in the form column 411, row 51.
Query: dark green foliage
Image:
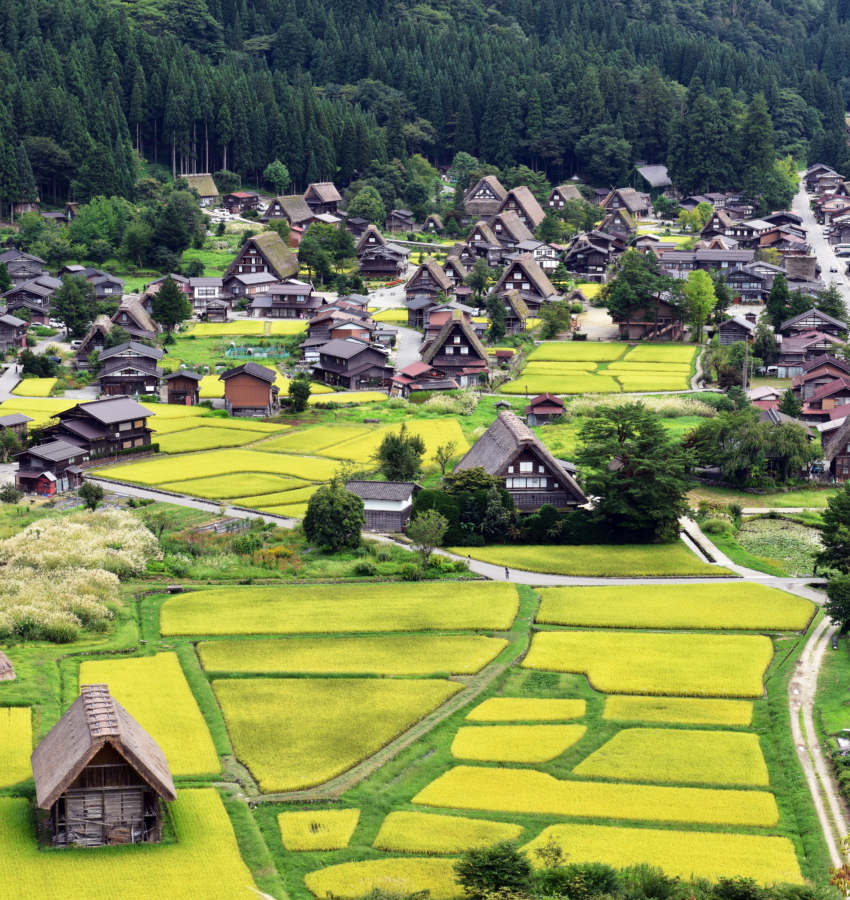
column 474, row 479
column 73, row 304
column 578, row 881
column 790, row 405
column 835, row 535
column 399, row 456
column 778, row 301
column 170, row 305
column 487, row 870
column 837, row 605
column 497, row 317
column 832, row 303
column 91, row 494
column 737, row 889
column 5, row 279
column 37, row 364
column 334, row 517
column 637, row 286
column 115, row 336
column 299, row 393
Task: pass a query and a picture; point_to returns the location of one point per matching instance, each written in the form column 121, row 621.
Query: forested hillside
column 89, row 88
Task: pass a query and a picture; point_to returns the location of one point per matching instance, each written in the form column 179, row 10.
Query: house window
column 555, row 484
column 107, row 290
column 526, row 467
column 526, row 286
column 125, row 426
column 457, row 340
column 449, row 351
column 464, row 351
column 510, row 468
column 541, row 469
column 139, row 423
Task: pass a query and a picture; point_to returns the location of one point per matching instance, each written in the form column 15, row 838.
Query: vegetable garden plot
column 520, row 709
column 205, row 439
column 681, row 854
column 528, row 791
column 35, row 387
column 154, row 690
column 415, row 832
column 561, row 384
column 222, row 462
column 418, row 654
column 600, row 560
column 623, row 662
column 322, row 829
column 515, row 743
column 299, row 732
column 349, row 608
column 15, row 744
column 397, row 877
column 204, row 862
column 314, row 439
column 227, row 487
column 661, row 353
column 577, row 351
column 680, row 756
column 684, row 710
column 433, row 432
column 722, row 606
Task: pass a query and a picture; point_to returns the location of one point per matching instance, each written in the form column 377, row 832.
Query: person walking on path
column 507, row 574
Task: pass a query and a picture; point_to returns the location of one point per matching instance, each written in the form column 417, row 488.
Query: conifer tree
column 170, row 305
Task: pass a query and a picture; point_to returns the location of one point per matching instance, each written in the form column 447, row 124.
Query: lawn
column 726, row 606
column 192, row 440
column 531, row 792
column 515, row 743
column 416, row 832
column 597, row 561
column 431, row 878
column 295, row 733
column 204, row 862
column 681, row 710
column 317, row 609
column 680, row 757
column 227, row 487
column 521, row 709
column 169, row 712
column 15, row 744
column 322, row 829
column 418, row 654
column 36, row 387
column 681, row 854
column 577, row 351
column 624, row 662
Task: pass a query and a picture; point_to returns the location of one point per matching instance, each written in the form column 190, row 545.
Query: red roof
column 546, row 400
column 415, row 369
column 766, row 404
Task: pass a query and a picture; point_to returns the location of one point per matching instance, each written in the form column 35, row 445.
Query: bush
column 411, row 572
column 488, row 870
column 383, row 554
column 365, row 567
column 716, row 526
column 578, row 880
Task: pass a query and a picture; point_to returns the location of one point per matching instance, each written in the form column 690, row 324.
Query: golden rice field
column 204, row 861
column 258, row 429
column 681, row 710
column 536, row 367
column 662, row 353
column 721, row 606
column 679, row 756
column 299, row 732
column 349, row 608
column 35, row 387
column 624, row 662
column 597, row 561
column 211, row 387
column 396, row 314
column 237, row 327
column 300, row 495
column 15, row 744
column 228, row 487
column 169, row 712
column 515, row 743
column 529, row 791
column 415, row 832
column 294, row 510
column 681, row 854
column 521, row 709
column 321, row 829
column 433, row 432
column 288, row 326
column 349, row 397
column 312, row 440
column 194, row 439
column 173, row 411
column 556, row 383
column 643, row 385
column 398, row 877
column 628, row 366
column 409, row 654
column 576, row 351
column 223, row 462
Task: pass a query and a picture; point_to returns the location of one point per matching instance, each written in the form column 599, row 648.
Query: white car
column 833, row 268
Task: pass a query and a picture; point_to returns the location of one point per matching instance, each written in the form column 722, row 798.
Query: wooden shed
column 101, row 775
column 184, row 387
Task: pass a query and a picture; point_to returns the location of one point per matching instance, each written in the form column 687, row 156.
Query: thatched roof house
column 101, row 775
column 7, row 673
column 485, row 198
column 205, row 186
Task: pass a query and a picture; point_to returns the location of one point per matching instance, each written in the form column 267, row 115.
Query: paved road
column 407, row 347
column 823, row 250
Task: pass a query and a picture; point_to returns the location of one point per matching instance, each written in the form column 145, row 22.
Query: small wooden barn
column 101, row 775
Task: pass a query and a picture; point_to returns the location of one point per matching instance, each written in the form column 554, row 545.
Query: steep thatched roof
column 435, row 220
column 538, row 278
column 513, row 225
column 283, row 262
column 7, row 673
column 482, row 233
column 839, row 439
column 325, row 191
column 457, row 320
column 503, row 441
column 485, row 207
column 374, row 232
column 94, row 720
column 203, row 184
column 528, row 202
column 432, row 267
column 133, row 305
column 101, row 325
column 568, row 192
column 514, row 298
column 296, row 209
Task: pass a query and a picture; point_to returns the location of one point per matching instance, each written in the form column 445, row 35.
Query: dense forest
column 94, row 95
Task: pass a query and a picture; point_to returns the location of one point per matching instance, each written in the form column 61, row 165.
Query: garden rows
column 578, row 367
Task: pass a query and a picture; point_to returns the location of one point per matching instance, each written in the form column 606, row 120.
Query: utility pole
column 746, row 371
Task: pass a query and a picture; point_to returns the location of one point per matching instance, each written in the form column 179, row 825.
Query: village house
column 106, row 286
column 523, row 203
column 23, row 267
column 677, row 262
column 820, row 405
column 655, row 179
column 666, row 322
column 356, row 226
column 799, row 349
column 619, row 222
column 265, row 252
column 202, row 290
column 129, row 368
column 484, row 199
column 250, row 390
column 458, row 264
column 291, row 300
column 183, row 388
column 387, row 505
column 428, row 282
column 329, row 317
column 457, row 351
column 719, row 224
column 545, row 255
column 101, row 775
column 819, row 372
column 217, row 310
column 628, row 199
column 399, row 221
column 748, row 285
column 13, row 333
column 591, row 253
column 738, row 328
column 435, row 316
column 16, row 423
column 837, row 452
column 543, row 409
column 369, row 238
column 811, row 175
column 559, row 196
column 533, row 477
column 92, row 342
column 241, row 201
column 765, row 397
column 237, row 286
column 50, row 468
column 523, row 274
column 102, row 427
column 433, row 224
column 205, row 188
column 812, row 320
column 35, row 296
column 516, row 312
column 387, row 262
column 352, row 364
column 134, row 316
column 420, row 376
column 294, row 208
column 323, row 197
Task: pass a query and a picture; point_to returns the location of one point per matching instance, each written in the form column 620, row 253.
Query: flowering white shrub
column 667, row 407
column 463, row 403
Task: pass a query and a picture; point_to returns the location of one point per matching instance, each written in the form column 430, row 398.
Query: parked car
column 833, row 268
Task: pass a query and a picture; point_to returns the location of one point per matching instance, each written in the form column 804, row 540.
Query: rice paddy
column 312, row 440
column 528, row 791
column 679, row 756
column 236, row 327
column 730, row 606
column 322, row 829
column 348, row 397
column 557, row 383
column 288, row 326
column 625, row 662
column 397, row 877
column 433, row 432
column 35, row 387
column 298, row 495
column 211, row 388
column 576, row 351
column 681, row 854
column 258, row 429
column 169, row 713
column 682, row 710
column 15, row 744
column 350, row 608
column 521, row 709
column 227, row 487
column 420, row 654
column 195, row 439
column 296, row 733
column 515, row 743
column 416, row 832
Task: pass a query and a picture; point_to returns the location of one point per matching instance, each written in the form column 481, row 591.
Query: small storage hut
column 101, row 775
